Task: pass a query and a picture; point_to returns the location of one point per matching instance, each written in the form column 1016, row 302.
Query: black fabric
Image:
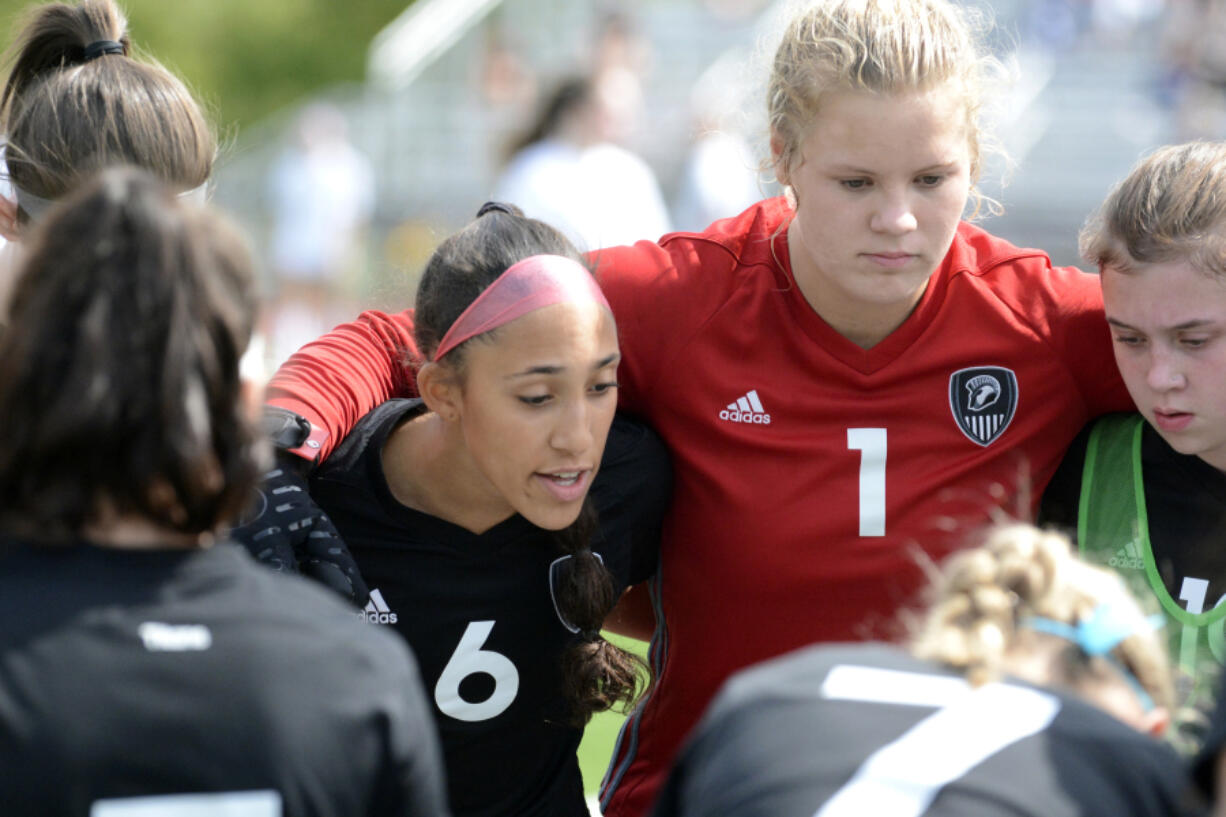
column 129, row 673
column 99, row 47
column 773, row 745
column 439, row 586
column 1186, row 500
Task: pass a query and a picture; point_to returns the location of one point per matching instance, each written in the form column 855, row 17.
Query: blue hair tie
column 1101, row 632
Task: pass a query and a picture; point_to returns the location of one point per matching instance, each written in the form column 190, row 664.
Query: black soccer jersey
column 479, row 613
column 852, row 731
column 1185, row 500
column 204, row 679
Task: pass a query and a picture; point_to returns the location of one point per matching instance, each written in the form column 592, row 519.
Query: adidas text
column 377, row 611
column 747, row 409
column 1126, row 562
column 745, row 417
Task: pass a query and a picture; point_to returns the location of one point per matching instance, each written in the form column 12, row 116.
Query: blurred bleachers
column 1076, row 120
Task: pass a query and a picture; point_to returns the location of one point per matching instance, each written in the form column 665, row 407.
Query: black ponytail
column 596, row 674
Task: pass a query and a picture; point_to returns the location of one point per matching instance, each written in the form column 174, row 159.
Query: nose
column 572, row 431
column 894, row 215
column 1164, row 373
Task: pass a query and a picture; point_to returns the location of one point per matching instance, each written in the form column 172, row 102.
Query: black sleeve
column 1062, row 496
column 631, row 493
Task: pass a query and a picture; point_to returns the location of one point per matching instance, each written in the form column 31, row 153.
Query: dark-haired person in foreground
column 143, row 663
column 1027, row 691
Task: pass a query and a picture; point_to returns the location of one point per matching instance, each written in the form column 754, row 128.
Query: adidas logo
column 1128, row 557
column 377, row 611
column 747, row 409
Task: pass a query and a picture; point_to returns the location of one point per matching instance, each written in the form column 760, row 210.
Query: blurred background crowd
column 607, row 118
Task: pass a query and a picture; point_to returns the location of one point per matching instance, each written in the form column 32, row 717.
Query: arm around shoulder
column 335, row 380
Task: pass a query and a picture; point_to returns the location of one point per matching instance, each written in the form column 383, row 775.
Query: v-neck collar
column 865, row 361
column 508, row 530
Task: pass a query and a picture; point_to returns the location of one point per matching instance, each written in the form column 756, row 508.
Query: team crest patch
column 983, row 400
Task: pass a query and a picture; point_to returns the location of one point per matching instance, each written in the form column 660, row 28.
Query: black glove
column 287, row 531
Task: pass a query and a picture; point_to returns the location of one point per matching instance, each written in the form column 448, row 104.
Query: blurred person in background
column 321, row 193
column 1193, row 45
column 570, row 169
column 720, row 175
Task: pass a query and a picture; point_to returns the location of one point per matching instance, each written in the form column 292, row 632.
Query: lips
column 1172, row 421
column 890, row 259
column 565, row 486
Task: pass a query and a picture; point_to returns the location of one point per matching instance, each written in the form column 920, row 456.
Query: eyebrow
column 549, row 370
column 843, row 168
column 1198, row 323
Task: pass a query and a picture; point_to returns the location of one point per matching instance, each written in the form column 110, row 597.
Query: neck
column 864, row 324
column 428, row 468
column 1216, row 458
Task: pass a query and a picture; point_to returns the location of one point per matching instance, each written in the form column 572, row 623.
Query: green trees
column 249, row 58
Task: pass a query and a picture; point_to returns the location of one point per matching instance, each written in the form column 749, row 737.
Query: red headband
column 534, row 283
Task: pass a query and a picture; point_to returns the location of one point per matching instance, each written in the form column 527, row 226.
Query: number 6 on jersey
column 870, row 442
column 469, row 659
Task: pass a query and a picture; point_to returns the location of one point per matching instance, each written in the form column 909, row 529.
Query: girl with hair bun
column 840, row 372
column 75, row 101
column 471, row 515
column 1034, row 686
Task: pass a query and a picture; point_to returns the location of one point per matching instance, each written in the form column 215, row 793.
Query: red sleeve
column 1082, row 338
column 646, row 285
column 335, row 380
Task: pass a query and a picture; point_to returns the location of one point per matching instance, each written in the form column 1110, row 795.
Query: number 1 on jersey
column 870, row 442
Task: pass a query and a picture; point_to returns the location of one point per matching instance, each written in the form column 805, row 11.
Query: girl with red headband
column 468, row 511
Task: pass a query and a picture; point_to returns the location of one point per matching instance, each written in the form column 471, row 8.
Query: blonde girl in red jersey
column 840, row 373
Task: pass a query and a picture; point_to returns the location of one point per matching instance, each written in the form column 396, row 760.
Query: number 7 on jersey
column 870, row 442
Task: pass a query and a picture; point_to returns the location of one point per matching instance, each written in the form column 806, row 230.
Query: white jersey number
column 1193, row 591
column 870, row 442
column 469, row 659
column 903, row 777
column 261, row 803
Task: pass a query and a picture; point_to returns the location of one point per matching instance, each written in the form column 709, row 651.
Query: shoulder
column 1112, row 768
column 366, row 437
column 1022, row 277
column 726, row 247
column 685, row 277
column 802, row 673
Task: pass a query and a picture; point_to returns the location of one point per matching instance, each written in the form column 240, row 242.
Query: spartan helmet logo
column 983, row 400
column 984, row 392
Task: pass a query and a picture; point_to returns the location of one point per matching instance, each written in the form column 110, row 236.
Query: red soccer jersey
column 813, row 477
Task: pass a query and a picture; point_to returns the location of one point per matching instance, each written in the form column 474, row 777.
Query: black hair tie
column 99, row 47
column 591, row 636
column 495, row 205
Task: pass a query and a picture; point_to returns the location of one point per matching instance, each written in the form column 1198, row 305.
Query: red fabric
column 335, row 380
column 761, row 550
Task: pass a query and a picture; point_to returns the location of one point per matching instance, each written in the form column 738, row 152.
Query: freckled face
column 536, row 408
column 1168, row 322
column 881, row 183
